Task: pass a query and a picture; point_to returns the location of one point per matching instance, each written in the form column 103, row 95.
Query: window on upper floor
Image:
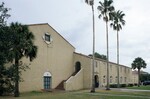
column 47, row 37
column 128, row 70
column 125, row 69
column 125, row 79
column 111, row 67
column 95, row 63
column 120, row 69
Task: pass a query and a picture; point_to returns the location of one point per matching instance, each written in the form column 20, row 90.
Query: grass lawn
column 140, row 88
column 85, row 94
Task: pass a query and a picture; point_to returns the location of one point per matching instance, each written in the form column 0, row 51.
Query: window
column 120, row 79
column 116, row 80
column 125, row 70
column 95, row 63
column 128, row 70
column 47, row 37
column 111, row 67
column 120, row 69
column 125, row 79
column 111, row 79
column 104, row 79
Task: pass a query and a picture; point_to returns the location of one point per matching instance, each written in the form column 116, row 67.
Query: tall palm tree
column 106, row 10
column 21, row 45
column 117, row 23
column 91, row 3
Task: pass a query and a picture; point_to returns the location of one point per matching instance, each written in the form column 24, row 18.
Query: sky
column 73, row 20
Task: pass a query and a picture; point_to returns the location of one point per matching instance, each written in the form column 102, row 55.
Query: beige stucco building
column 58, row 65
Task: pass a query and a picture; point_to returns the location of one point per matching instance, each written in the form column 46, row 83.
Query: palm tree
column 117, row 23
column 21, row 45
column 91, row 3
column 106, row 10
column 138, row 63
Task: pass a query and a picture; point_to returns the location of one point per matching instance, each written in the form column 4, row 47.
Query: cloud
column 73, row 20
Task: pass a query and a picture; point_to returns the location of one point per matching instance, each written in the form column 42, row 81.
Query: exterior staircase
column 61, row 85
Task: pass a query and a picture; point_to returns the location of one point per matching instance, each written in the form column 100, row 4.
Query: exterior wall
column 100, row 70
column 135, row 77
column 86, row 65
column 56, row 58
column 125, row 74
column 75, row 82
column 59, row 59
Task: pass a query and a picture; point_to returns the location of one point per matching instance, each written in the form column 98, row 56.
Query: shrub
column 123, row 85
column 135, row 84
column 6, row 86
column 113, row 85
column 130, row 85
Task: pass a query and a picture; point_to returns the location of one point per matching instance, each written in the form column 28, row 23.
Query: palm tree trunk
column 118, row 85
column 93, row 61
column 16, row 92
column 138, row 77
column 107, row 88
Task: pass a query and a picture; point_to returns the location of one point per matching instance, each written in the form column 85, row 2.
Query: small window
column 116, row 79
column 111, row 67
column 47, row 37
column 111, row 79
column 95, row 63
column 120, row 79
column 125, row 79
column 104, row 79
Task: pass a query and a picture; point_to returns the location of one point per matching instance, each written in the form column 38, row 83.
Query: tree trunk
column 107, row 88
column 93, row 61
column 118, row 85
column 16, row 92
column 138, row 77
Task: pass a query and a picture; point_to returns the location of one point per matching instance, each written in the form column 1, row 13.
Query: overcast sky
column 73, row 20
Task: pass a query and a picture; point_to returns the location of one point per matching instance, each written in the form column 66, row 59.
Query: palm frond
column 118, row 20
column 89, row 2
column 106, row 9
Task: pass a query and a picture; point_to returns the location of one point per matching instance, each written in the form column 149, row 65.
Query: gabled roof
column 53, row 29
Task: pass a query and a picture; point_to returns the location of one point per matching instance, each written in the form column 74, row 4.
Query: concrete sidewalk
column 124, row 90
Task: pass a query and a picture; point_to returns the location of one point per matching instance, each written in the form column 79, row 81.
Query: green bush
column 130, row 85
column 135, row 84
column 6, row 86
column 123, row 85
column 113, row 86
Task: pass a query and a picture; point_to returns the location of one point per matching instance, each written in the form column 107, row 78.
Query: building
column 58, row 65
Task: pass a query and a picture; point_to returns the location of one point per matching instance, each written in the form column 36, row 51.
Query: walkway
column 103, row 93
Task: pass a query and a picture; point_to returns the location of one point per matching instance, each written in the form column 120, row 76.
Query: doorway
column 96, row 81
column 47, row 80
column 77, row 67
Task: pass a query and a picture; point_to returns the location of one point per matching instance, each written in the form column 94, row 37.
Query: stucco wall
column 56, row 58
column 86, row 65
column 100, row 69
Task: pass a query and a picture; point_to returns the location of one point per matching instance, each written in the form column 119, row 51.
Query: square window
column 47, row 37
